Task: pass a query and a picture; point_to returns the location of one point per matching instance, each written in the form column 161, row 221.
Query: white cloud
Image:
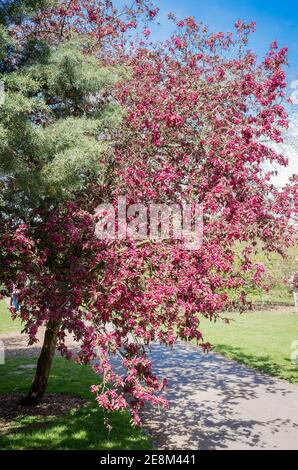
column 289, row 148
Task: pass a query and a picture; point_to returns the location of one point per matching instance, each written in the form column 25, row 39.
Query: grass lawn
column 6, row 323
column 258, row 339
column 277, row 296
column 78, row 429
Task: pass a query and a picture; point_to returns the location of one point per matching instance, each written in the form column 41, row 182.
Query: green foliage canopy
column 55, row 120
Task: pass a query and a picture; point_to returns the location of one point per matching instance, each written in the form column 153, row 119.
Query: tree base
column 44, row 364
column 30, row 401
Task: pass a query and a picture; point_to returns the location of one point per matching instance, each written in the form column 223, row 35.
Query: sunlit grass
column 6, row 323
column 78, row 429
column 258, row 339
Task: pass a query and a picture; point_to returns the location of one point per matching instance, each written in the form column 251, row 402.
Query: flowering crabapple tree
column 55, row 145
column 196, row 116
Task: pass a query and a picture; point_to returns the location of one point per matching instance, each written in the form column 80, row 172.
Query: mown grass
column 276, row 296
column 78, row 429
column 7, row 325
column 262, row 340
column 278, row 272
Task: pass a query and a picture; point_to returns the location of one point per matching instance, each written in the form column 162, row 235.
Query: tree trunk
column 44, row 364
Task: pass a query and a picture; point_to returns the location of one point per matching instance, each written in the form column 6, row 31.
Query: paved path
column 16, row 344
column 216, row 403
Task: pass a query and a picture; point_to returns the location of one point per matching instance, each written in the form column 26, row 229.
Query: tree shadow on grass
column 79, row 429
column 264, row 363
column 67, row 418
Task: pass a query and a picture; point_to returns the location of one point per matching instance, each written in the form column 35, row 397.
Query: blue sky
column 276, row 20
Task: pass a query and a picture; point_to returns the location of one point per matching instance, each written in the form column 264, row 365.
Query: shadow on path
column 216, row 403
